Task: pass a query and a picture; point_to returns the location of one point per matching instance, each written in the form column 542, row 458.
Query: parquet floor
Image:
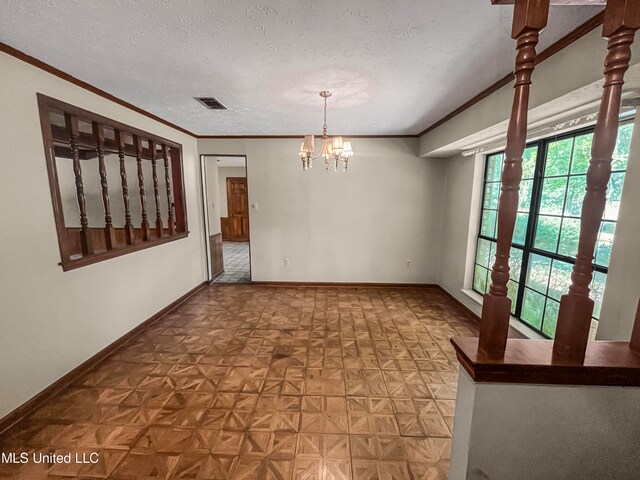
column 257, row 383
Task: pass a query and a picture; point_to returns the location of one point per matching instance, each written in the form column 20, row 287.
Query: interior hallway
column 237, row 266
column 248, row 382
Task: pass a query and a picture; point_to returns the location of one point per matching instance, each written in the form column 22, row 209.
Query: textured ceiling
column 395, row 67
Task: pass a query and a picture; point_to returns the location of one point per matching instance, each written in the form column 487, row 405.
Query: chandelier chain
column 324, row 126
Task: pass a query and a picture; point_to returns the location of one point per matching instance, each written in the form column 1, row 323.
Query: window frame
column 45, row 104
column 528, row 249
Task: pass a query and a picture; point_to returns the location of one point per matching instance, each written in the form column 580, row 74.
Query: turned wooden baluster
column 129, row 233
column 73, row 129
column 622, row 19
column 156, row 188
column 143, row 201
column 109, row 231
column 529, row 18
column 634, row 343
column 166, row 150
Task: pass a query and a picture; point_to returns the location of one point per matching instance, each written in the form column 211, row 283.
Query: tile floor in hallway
column 252, row 382
column 237, row 268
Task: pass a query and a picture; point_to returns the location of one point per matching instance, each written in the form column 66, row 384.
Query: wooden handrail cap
column 530, row 361
column 529, row 15
column 621, row 14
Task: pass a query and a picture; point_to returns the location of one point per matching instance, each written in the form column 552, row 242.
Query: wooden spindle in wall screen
column 529, row 18
column 621, row 20
column 166, row 150
column 177, row 190
column 144, row 226
column 634, row 343
column 73, row 129
column 128, row 225
column 109, row 231
column 156, row 187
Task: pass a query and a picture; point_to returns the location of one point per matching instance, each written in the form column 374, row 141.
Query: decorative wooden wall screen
column 87, row 141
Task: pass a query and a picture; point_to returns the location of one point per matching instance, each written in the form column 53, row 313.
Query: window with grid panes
column 545, row 239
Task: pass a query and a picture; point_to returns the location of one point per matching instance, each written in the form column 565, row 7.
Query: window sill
column 514, row 323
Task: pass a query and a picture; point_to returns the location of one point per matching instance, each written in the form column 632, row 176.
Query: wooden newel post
column 144, row 226
column 109, row 231
column 129, row 233
column 634, row 343
column 622, row 19
column 529, row 18
column 73, row 129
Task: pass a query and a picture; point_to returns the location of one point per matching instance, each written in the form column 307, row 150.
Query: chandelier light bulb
column 347, row 151
column 308, row 144
column 327, row 151
column 337, row 146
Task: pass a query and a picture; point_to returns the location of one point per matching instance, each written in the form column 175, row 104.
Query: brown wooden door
column 238, row 209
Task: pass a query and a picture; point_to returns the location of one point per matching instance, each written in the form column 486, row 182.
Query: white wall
column 223, row 174
column 551, row 432
column 51, row 321
column 461, row 211
column 213, row 194
column 356, row 227
column 622, row 290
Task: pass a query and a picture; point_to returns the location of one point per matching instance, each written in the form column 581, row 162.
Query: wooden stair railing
column 529, row 18
column 621, row 20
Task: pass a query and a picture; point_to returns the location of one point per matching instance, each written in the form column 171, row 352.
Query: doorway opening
column 226, row 209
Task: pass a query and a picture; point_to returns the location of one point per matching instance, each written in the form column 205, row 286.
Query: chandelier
column 334, row 150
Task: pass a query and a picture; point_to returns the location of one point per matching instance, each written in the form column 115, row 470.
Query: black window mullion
column 536, row 194
column 565, row 259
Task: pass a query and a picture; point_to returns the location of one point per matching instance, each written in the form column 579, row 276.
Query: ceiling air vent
column 211, row 103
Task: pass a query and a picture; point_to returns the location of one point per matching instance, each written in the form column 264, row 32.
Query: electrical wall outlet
column 409, row 264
